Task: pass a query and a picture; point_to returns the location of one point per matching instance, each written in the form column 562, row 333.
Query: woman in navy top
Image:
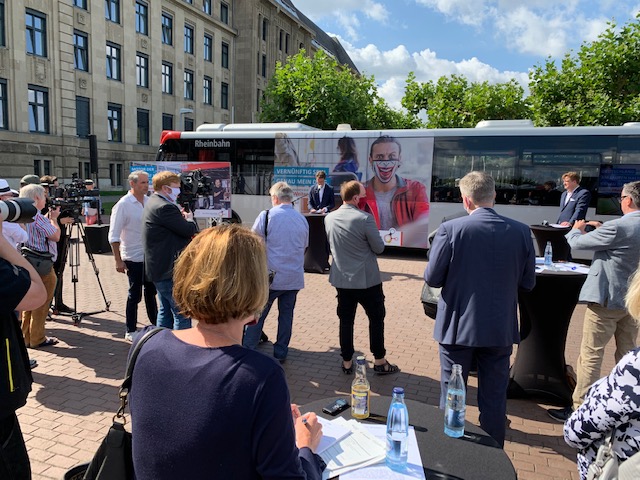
column 203, row 406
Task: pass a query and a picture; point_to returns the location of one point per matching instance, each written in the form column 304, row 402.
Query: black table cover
column 543, row 234
column 316, row 258
column 474, row 456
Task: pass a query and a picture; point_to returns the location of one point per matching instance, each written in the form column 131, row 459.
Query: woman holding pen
column 203, row 406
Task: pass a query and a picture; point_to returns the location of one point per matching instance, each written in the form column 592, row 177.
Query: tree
column 322, row 93
column 600, row 85
column 453, row 102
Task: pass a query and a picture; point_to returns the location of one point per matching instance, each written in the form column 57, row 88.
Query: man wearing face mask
column 392, row 200
column 166, row 230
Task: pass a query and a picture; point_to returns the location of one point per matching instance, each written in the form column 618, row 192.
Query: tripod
column 72, row 253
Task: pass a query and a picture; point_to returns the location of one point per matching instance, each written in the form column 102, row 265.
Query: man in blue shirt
column 286, row 235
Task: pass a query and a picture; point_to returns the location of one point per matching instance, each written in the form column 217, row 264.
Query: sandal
column 345, row 370
column 48, row 342
column 386, row 368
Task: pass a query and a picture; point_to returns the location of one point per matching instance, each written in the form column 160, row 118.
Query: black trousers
column 372, row 300
column 135, row 273
column 14, row 461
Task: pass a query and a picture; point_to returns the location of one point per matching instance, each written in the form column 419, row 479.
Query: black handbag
column 114, row 458
column 41, row 261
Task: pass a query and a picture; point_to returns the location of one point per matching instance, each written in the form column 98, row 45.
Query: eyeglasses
column 623, row 197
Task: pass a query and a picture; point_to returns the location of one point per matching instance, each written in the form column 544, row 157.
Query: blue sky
column 493, row 40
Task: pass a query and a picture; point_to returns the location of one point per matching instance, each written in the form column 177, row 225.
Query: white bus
column 412, row 175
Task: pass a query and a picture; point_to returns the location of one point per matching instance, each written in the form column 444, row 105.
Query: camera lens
column 17, row 210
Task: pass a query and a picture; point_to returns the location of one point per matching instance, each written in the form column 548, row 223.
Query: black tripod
column 72, row 253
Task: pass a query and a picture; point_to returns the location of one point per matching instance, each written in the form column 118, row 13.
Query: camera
column 72, row 197
column 196, row 190
column 17, row 210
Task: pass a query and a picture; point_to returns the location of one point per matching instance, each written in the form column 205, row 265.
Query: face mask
column 173, row 196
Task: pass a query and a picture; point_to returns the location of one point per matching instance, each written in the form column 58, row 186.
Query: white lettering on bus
column 212, row 144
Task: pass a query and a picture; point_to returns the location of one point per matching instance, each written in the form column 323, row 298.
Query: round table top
column 474, row 456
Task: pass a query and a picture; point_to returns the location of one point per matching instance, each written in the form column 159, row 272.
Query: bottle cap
column 398, row 390
column 456, row 366
column 360, row 359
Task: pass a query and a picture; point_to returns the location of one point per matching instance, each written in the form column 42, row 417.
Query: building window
column 224, row 13
column 225, row 55
column 224, row 96
column 81, row 51
column 188, row 39
column 265, row 26
column 142, row 70
column 208, row 48
column 167, row 29
column 189, row 1
column 142, row 18
column 281, row 40
column 208, row 90
column 36, row 33
column 3, row 37
column 114, row 117
column 258, row 98
column 188, row 85
column 143, row 127
column 206, row 7
column 83, row 117
column 263, row 68
column 4, row 105
column 286, row 43
column 188, row 124
column 80, row 4
column 115, row 174
column 84, row 169
column 167, row 78
column 41, row 167
column 113, row 61
column 167, row 121
column 112, row 10
column 38, row 109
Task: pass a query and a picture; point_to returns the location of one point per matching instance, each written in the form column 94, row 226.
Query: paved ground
column 75, row 395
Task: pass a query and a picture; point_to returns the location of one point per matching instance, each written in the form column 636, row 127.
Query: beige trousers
column 600, row 324
column 33, row 321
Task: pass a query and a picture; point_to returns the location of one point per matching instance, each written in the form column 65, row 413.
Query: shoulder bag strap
column 126, row 383
column 266, row 224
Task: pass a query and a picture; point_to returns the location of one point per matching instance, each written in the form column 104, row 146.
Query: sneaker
column 560, row 414
column 32, row 363
column 129, row 336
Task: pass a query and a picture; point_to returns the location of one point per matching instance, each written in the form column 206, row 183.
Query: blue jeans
column 135, row 273
column 286, row 304
column 168, row 312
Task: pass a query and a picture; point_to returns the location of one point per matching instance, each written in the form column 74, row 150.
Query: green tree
column 322, row 93
column 454, row 102
column 599, row 85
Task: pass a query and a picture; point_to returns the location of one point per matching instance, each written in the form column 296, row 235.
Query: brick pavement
column 75, row 395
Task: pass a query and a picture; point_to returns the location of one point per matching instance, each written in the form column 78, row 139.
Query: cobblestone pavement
column 75, row 391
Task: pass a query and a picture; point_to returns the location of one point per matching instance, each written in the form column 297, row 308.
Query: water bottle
column 548, row 255
column 360, row 391
column 397, row 432
column 456, row 404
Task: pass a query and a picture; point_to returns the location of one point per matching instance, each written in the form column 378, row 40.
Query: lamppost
column 183, row 114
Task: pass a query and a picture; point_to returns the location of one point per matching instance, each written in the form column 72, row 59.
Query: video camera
column 196, row 190
column 17, row 210
column 72, row 196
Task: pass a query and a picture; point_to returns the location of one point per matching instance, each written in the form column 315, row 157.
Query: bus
column 412, row 176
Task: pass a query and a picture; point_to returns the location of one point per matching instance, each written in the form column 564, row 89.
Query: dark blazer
column 328, row 199
column 480, row 261
column 165, row 233
column 576, row 208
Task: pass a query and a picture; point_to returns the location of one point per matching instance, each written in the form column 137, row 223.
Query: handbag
column 429, row 298
column 606, row 466
column 41, row 261
column 114, row 458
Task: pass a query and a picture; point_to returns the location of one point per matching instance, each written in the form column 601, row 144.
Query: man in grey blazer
column 480, row 261
column 354, row 240
column 617, row 252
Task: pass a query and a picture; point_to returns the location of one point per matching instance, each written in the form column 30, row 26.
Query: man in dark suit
column 321, row 195
column 165, row 233
column 574, row 201
column 480, row 261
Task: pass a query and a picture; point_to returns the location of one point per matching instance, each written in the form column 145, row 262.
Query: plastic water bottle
column 456, row 404
column 548, row 255
column 397, row 431
column 360, row 391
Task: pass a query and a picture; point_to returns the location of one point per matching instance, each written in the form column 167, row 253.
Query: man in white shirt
column 125, row 237
column 13, row 232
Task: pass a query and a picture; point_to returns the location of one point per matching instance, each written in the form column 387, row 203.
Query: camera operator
column 13, row 232
column 90, row 209
column 20, row 289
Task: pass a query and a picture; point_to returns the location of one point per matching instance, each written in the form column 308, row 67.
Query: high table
column 316, row 258
column 474, row 456
column 545, row 312
column 555, row 235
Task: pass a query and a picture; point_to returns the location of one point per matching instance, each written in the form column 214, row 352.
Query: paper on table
column 414, row 470
column 561, row 267
column 332, row 431
column 557, row 225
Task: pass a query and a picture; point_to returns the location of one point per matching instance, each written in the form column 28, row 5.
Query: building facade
column 124, row 70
